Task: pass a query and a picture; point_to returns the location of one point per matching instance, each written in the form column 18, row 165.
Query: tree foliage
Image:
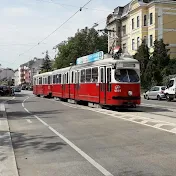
column 155, row 67
column 86, row 41
column 47, row 65
column 142, row 56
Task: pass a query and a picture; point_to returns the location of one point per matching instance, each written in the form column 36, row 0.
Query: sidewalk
column 7, row 157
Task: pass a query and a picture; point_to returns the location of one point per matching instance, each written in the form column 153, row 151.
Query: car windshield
column 126, row 75
column 163, row 88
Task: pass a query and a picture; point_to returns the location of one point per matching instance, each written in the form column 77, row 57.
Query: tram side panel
column 65, row 90
column 35, row 89
column 57, row 90
column 72, row 91
column 45, row 89
column 88, row 92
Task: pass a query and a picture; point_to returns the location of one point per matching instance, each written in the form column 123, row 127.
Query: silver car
column 156, row 92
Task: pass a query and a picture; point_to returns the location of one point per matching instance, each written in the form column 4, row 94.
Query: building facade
column 29, row 69
column 16, row 77
column 6, row 74
column 144, row 20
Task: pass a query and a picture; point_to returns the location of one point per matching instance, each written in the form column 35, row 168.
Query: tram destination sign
column 90, row 58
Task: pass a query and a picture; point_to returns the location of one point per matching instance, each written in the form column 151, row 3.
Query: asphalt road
column 56, row 138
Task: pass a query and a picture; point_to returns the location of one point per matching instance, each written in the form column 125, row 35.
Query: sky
column 24, row 23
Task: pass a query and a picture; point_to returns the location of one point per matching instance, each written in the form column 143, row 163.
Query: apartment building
column 143, row 20
column 29, row 69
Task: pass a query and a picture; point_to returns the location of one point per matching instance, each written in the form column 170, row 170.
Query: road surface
column 57, row 138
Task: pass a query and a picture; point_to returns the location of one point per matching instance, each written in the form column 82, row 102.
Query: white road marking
column 78, row 150
column 159, row 106
column 145, row 119
column 29, row 121
column 126, row 119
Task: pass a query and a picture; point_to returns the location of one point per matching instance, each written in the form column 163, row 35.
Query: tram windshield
column 126, row 75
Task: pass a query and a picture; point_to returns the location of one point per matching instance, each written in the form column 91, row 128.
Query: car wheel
column 168, row 98
column 147, row 97
column 158, row 98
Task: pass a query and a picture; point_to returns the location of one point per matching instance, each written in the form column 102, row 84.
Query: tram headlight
column 130, row 93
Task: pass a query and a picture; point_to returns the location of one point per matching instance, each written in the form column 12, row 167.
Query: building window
column 137, row 21
column 145, row 40
column 124, row 30
column 138, row 42
column 132, row 23
column 151, row 18
column 124, row 47
column 132, row 44
column 151, row 40
column 109, row 33
column 118, row 30
column 113, row 33
column 145, row 20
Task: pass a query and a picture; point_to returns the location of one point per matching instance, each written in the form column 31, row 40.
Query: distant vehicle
column 23, row 87
column 170, row 92
column 156, row 92
column 17, row 89
column 4, row 90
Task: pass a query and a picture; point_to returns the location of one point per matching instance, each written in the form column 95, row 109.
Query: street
column 57, row 138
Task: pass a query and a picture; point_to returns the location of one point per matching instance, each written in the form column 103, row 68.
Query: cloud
column 16, row 11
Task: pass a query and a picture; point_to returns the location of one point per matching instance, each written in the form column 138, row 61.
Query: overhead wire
column 80, row 9
column 73, row 6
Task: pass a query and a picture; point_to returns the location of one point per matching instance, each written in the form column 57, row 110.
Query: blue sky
column 24, row 23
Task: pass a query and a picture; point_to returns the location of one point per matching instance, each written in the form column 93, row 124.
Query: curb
column 8, row 166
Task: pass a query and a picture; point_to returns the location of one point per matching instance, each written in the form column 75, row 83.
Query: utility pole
column 105, row 31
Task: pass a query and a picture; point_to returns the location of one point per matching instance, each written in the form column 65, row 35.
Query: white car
column 155, row 93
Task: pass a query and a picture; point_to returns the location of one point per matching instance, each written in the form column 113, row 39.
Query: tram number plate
column 117, row 88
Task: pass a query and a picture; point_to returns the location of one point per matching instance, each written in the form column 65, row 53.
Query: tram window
column 83, row 76
column 59, row 78
column 102, row 74
column 126, row 75
column 53, row 79
column 72, row 77
column 67, row 78
column 95, row 74
column 88, row 75
column 40, row 80
column 108, row 75
column 133, row 76
column 109, row 79
column 49, row 80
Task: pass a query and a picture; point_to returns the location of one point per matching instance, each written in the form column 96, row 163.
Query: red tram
column 106, row 81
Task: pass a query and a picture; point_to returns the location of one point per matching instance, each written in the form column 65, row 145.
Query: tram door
column 77, row 85
column 102, row 85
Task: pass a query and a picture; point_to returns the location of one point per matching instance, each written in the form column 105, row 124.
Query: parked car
column 156, row 92
column 5, row 90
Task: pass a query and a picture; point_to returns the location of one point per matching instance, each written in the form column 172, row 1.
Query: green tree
column 142, row 56
column 85, row 42
column 160, row 60
column 47, row 65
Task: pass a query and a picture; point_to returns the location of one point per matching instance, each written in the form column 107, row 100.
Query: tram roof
column 43, row 74
column 106, row 61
